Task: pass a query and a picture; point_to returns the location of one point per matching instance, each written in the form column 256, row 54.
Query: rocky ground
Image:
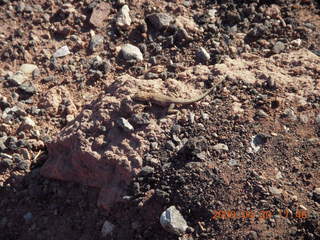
column 80, row 158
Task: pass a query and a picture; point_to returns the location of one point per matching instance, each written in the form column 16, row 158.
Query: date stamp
column 258, row 214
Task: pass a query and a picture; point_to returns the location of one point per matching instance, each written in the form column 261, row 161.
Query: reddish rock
column 99, row 14
column 94, row 151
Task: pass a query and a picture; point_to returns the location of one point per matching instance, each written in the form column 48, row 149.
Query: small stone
column 278, row 175
column 123, row 19
column 290, row 114
column 4, row 102
column 28, row 88
column 205, row 116
column 304, row 118
column 23, row 164
column 170, row 145
column 233, row 162
column 141, row 118
column 221, row 146
column 28, row 68
column 318, row 119
column 147, row 170
column 25, row 153
column 121, row 2
column 172, row 221
column 262, row 114
column 69, row 118
column 160, row 21
column 28, row 217
column 130, row 52
column 28, row 124
column 61, row 52
column 275, row 191
column 278, row 47
column 252, row 235
column 95, row 42
column 316, row 195
column 6, row 163
column 16, row 79
column 125, row 125
column 317, row 191
column 11, row 143
column 49, row 79
column 203, row 55
column 303, row 208
column 107, row 228
column 257, row 141
column 296, row 42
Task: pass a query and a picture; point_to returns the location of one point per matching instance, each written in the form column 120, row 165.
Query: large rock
column 94, row 151
column 99, row 14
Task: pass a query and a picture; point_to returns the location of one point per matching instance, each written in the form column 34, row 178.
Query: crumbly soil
column 236, row 193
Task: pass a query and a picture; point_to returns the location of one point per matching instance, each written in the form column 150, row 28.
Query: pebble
column 170, row 145
column 123, row 19
column 6, row 163
column 125, row 125
column 275, row 191
column 262, row 114
column 25, row 153
column 28, row 88
column 203, row 55
column 130, row 52
column 28, row 68
column 121, row 2
column 221, row 146
column 11, row 143
column 16, row 79
column 4, row 102
column 2, row 145
column 49, row 79
column 61, row 52
column 28, row 123
column 107, row 228
column 278, row 175
column 252, row 235
column 28, row 217
column 318, row 119
column 205, row 116
column 160, row 21
column 147, row 170
column 141, row 118
column 95, row 42
column 172, row 221
column 278, row 47
column 257, row 141
column 289, row 113
column 296, row 42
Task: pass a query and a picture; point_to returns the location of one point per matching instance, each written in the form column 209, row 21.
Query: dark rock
column 160, row 21
column 5, row 163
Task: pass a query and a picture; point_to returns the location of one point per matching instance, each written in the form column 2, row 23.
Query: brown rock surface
column 94, row 151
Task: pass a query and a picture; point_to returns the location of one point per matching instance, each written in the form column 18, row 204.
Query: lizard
column 163, row 100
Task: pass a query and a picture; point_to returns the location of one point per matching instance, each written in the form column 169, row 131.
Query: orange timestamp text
column 260, row 214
